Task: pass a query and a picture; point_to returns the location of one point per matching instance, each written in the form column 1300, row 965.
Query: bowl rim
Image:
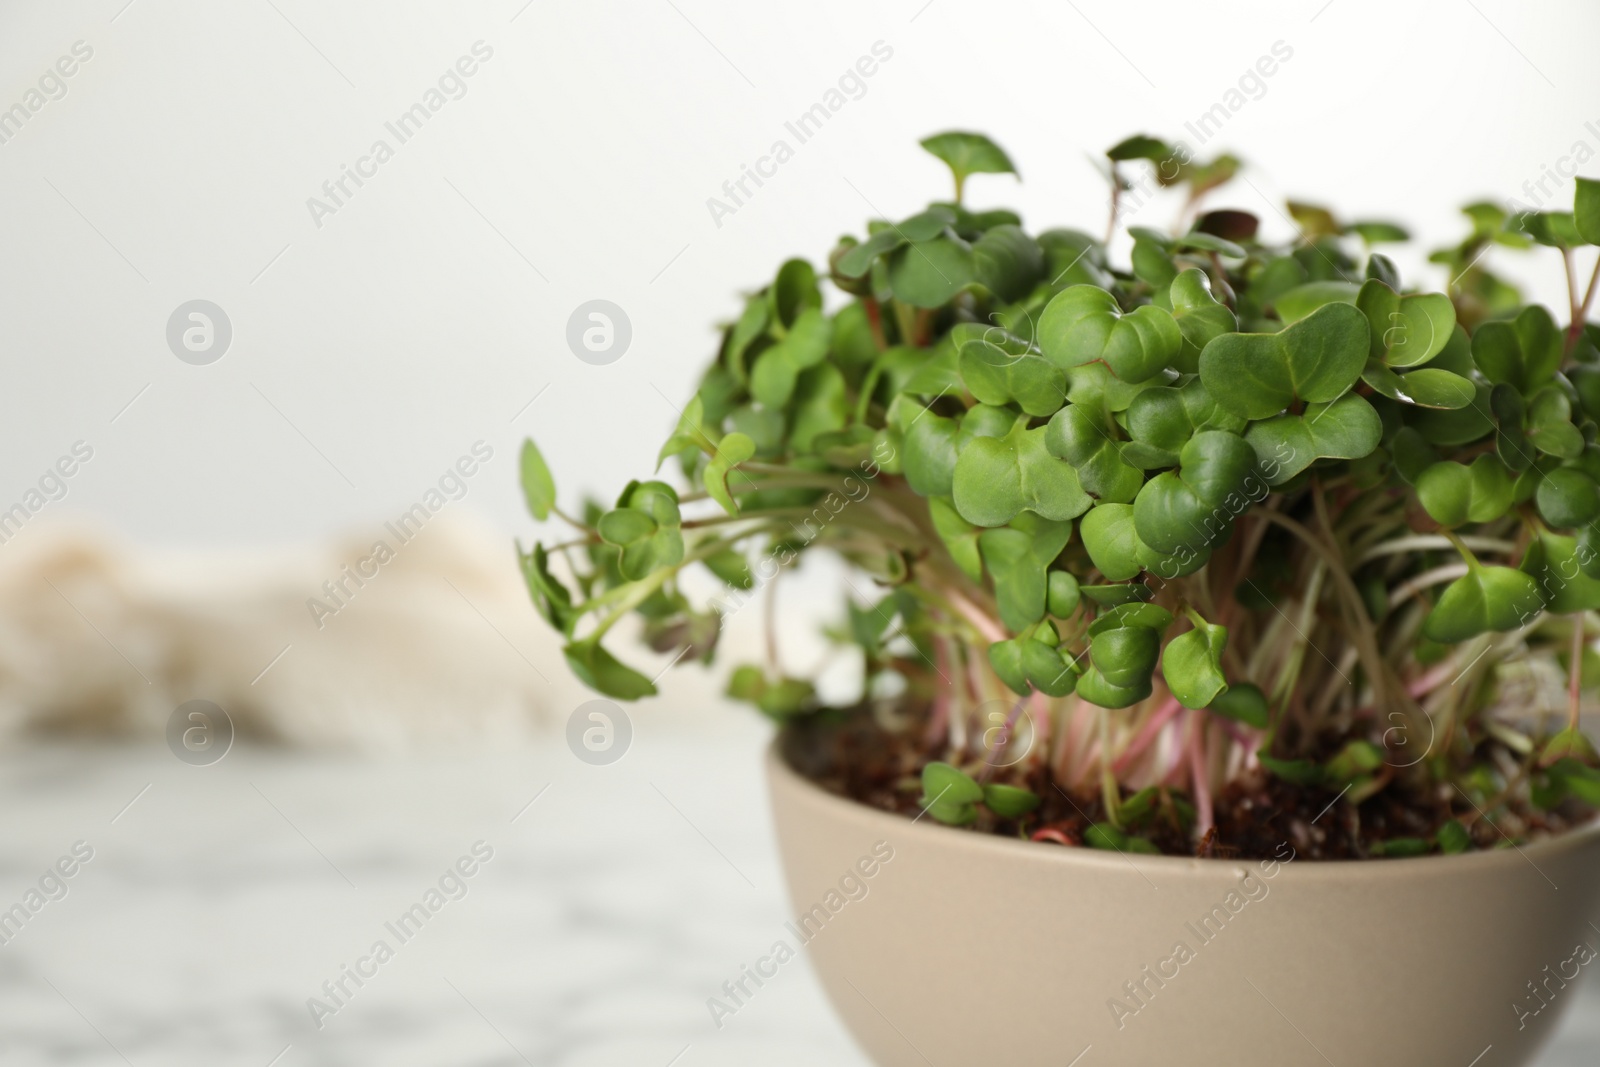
column 891, row 827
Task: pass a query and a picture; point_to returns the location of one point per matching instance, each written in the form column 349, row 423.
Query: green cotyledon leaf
column 1083, row 324
column 1406, row 331
column 1193, row 506
column 1192, row 665
column 1316, row 361
column 1484, row 599
column 1285, row 445
column 1454, row 493
column 996, row 478
column 538, row 487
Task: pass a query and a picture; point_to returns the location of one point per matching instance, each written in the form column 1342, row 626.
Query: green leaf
column 1568, row 498
column 1165, row 418
column 753, row 321
column 856, row 262
column 1407, row 331
column 1075, row 435
column 1399, row 847
column 1569, row 744
column 1356, row 759
column 998, row 477
column 690, row 434
column 792, row 292
column 997, row 373
column 646, row 526
column 1302, row 300
column 1453, row 838
column 1569, row 776
column 968, row 153
column 1194, row 507
column 1019, row 578
column 1201, row 317
column 1316, row 360
column 1429, row 387
column 1485, row 599
column 960, row 537
column 734, row 449
column 1122, row 660
column 1586, row 210
column 786, row 698
column 926, row 274
column 1007, row 261
column 1243, row 702
column 929, row 454
column 1105, row 836
column 1555, row 229
column 1009, row 801
column 1113, row 546
column 1375, row 232
column 1555, row 563
column 538, row 487
column 732, row 567
column 1017, row 558
column 949, row 794
column 1285, row 445
column 1192, row 665
column 773, row 378
column 1083, row 324
column 1523, row 353
column 1047, row 669
column 1005, row 659
column 1453, row 493
column 1139, row 146
column 1293, row 771
column 550, row 597
column 1549, row 424
column 1207, row 242
column 604, row 673
column 1152, row 264
column 625, row 526
column 1062, row 594
column 1136, row 613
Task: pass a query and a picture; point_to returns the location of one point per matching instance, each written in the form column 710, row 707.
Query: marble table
column 219, row 899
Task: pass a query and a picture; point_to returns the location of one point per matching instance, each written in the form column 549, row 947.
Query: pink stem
column 1430, row 681
column 983, row 623
column 1147, row 734
column 1237, row 732
column 939, row 720
column 1080, row 752
column 1005, row 739
column 1039, row 711
column 1202, row 784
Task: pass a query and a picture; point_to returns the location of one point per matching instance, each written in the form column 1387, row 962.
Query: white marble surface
column 223, row 897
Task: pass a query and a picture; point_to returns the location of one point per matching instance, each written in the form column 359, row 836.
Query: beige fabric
column 98, row 638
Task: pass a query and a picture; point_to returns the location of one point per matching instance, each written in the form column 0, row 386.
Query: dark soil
column 853, row 757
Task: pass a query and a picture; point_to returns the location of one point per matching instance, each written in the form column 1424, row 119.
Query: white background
column 415, row 321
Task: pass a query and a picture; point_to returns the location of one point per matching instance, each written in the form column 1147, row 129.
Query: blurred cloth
column 341, row 644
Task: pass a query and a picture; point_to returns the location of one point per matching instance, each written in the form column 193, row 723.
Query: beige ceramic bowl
column 943, row 948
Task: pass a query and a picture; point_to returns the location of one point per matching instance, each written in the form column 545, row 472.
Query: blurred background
column 245, row 345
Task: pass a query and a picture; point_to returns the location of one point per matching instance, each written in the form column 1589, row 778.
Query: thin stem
column 1574, row 303
column 770, row 617
column 1116, row 194
column 1110, row 795
column 570, row 520
column 1147, row 734
column 1202, row 781
column 1575, row 671
column 1581, row 314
